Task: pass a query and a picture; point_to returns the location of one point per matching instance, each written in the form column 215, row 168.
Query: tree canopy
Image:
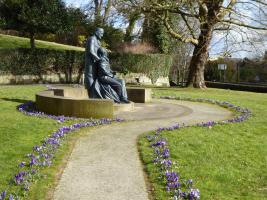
column 199, row 19
column 34, row 16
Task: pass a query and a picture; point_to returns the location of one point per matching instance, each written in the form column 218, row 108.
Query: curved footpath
column 105, row 163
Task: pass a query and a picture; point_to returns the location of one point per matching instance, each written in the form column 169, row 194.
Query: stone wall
column 30, row 79
column 141, row 79
column 131, row 78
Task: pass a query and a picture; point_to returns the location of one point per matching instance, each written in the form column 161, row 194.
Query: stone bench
column 70, row 101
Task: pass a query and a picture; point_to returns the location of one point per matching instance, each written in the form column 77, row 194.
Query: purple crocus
column 33, row 161
column 166, row 153
column 160, row 143
column 3, row 195
column 194, row 194
column 22, row 164
column 172, row 176
column 19, row 178
column 166, row 164
column 33, row 171
column 189, row 183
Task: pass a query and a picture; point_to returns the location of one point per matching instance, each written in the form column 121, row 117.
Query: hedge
column 40, row 62
column 152, row 65
column 234, row 86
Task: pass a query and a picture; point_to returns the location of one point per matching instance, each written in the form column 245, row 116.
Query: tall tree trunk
column 199, row 59
column 98, row 6
column 32, row 41
column 107, row 11
column 129, row 30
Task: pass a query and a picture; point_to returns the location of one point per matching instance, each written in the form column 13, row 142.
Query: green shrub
column 152, row 65
column 41, row 62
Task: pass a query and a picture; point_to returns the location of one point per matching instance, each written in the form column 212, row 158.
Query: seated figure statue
column 106, row 85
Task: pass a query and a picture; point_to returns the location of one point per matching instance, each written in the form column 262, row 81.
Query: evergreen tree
column 34, row 16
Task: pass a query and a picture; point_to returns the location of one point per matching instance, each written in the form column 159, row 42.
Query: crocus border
column 161, row 152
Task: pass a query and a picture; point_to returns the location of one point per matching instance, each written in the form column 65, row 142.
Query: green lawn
column 226, row 161
column 7, row 41
column 19, row 133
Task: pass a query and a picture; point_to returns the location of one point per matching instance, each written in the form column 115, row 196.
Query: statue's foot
column 125, row 101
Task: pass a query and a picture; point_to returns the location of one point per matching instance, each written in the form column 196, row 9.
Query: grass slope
column 226, row 161
column 7, row 41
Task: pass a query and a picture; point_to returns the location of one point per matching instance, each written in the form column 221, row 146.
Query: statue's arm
column 93, row 51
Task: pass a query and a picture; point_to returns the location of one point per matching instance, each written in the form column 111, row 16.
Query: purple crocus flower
column 33, row 161
column 3, row 195
column 189, row 183
column 182, row 194
column 19, row 178
column 167, row 163
column 166, row 153
column 33, row 171
column 172, row 176
column 149, row 137
column 22, row 164
column 160, row 143
column 10, row 197
column 194, row 194
column 156, row 160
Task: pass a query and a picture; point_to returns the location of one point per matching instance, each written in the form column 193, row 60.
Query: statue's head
column 102, row 52
column 99, row 33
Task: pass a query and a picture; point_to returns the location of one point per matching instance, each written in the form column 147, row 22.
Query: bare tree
column 100, row 10
column 131, row 14
column 211, row 16
column 181, row 61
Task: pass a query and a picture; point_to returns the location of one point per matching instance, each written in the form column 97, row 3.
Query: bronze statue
column 100, row 80
column 91, row 57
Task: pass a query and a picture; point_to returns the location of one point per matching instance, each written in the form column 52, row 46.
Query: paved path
column 105, row 163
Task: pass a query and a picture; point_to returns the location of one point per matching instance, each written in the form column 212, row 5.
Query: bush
column 41, row 62
column 139, row 48
column 240, row 87
column 46, row 61
column 152, row 65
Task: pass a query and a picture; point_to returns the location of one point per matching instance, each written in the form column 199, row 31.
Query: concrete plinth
column 47, row 102
column 74, row 102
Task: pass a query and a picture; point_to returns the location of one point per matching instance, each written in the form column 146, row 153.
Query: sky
column 75, row 3
column 218, row 45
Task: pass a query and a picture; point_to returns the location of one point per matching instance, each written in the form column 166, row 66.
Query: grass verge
column 226, row 161
column 19, row 133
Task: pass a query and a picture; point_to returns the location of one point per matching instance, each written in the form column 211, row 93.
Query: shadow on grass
column 15, row 100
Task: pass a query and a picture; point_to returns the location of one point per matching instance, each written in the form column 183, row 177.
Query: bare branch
column 189, row 27
column 238, row 23
column 227, row 10
column 170, row 8
column 177, row 35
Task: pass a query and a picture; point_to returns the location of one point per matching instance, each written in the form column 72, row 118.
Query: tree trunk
column 107, row 11
column 129, row 30
column 98, row 18
column 199, row 59
column 32, row 40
